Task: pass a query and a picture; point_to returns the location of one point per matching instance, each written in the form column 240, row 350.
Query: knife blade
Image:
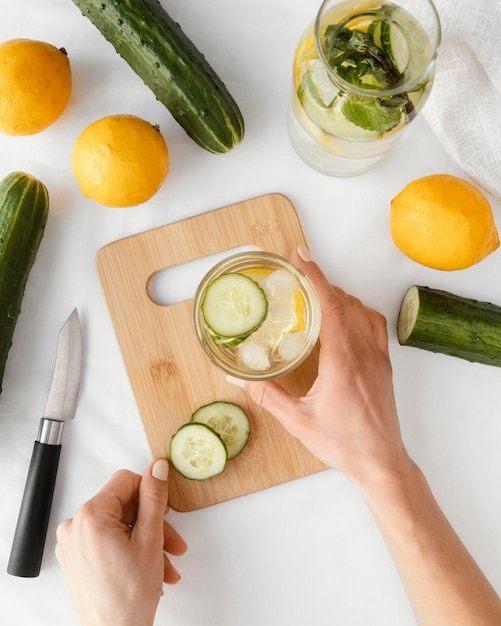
column 31, row 529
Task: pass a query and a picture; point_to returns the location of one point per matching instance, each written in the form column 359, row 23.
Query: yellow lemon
column 120, row 160
column 443, row 222
column 35, row 85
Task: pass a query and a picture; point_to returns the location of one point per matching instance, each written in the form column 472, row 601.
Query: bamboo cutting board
column 170, row 374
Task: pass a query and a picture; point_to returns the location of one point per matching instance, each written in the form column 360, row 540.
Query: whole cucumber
column 24, row 208
column 440, row 321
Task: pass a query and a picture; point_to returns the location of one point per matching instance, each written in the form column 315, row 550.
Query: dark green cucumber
column 439, row 321
column 24, row 207
column 168, row 62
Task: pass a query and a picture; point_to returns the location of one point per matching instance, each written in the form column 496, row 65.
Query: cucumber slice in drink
column 318, row 85
column 234, row 306
column 374, row 30
column 197, row 452
column 388, row 35
column 323, row 108
column 395, row 46
column 230, row 422
column 225, row 342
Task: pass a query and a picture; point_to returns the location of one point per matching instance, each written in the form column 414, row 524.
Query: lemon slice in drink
column 256, row 273
column 299, row 309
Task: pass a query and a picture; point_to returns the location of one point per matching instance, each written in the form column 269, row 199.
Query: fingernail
column 238, row 382
column 160, row 470
column 304, row 253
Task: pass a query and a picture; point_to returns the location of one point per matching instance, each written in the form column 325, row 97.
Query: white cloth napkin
column 464, row 108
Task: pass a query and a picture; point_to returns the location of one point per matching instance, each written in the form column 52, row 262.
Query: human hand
column 348, row 418
column 113, row 551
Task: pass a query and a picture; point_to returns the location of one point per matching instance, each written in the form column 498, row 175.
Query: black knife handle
column 31, row 530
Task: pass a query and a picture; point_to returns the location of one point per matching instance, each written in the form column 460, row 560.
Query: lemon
column 120, row 160
column 35, row 85
column 443, row 222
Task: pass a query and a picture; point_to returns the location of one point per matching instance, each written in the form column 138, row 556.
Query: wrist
column 388, row 483
column 125, row 620
column 118, row 611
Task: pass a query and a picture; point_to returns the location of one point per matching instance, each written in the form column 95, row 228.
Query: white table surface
column 306, row 552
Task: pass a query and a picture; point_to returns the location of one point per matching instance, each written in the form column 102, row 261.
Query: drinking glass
column 291, row 327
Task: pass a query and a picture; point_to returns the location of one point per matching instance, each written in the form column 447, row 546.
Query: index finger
column 333, row 300
column 343, row 315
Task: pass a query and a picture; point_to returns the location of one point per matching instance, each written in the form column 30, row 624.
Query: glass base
column 323, row 158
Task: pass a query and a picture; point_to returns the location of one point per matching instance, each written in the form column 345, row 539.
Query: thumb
column 286, row 408
column 153, row 496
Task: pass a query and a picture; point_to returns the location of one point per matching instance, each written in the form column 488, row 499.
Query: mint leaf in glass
column 373, row 113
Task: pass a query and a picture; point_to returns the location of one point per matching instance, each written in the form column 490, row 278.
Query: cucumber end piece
column 407, row 316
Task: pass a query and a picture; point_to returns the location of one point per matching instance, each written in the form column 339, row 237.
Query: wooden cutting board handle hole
column 178, row 283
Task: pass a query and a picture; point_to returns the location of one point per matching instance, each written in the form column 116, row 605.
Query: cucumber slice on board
column 197, row 452
column 234, row 306
column 229, row 420
column 439, row 321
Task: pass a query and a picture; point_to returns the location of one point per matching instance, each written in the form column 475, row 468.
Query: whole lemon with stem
column 443, row 222
column 120, row 160
column 35, row 85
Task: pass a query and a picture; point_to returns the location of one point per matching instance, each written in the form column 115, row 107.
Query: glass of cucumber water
column 362, row 72
column 256, row 315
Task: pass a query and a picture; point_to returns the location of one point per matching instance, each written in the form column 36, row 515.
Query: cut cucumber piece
column 230, row 422
column 388, row 35
column 314, row 97
column 317, row 83
column 234, row 306
column 197, row 452
column 439, row 321
column 374, row 30
column 395, row 45
column 225, row 342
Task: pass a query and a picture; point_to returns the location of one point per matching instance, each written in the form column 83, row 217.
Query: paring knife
column 31, row 530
